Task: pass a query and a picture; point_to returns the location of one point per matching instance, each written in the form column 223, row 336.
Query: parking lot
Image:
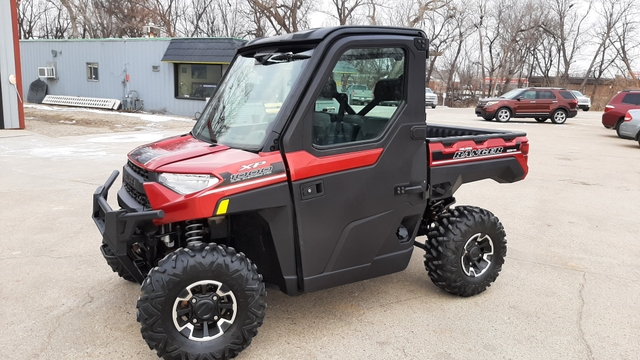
column 569, row 288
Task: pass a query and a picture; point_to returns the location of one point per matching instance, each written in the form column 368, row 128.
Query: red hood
column 187, row 154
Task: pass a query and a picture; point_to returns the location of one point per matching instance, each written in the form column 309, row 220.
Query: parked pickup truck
column 272, row 185
column 359, row 94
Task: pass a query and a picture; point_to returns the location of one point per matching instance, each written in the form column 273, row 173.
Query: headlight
column 489, row 103
column 187, row 183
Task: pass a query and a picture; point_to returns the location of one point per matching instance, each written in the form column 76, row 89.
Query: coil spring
column 194, row 231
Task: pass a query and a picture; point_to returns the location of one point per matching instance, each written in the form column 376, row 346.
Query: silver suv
column 430, row 98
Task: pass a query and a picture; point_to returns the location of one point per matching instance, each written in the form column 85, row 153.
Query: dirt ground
column 62, row 121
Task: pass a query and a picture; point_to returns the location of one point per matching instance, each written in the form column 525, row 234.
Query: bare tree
column 626, row 42
column 566, row 26
column 284, row 16
column 346, row 10
column 610, row 14
column 440, row 28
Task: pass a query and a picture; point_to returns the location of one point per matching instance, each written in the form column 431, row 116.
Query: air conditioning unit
column 47, row 72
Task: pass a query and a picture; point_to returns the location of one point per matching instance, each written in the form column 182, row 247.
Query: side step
column 100, row 103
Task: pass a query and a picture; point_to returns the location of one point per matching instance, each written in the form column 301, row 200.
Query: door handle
column 532, row 102
column 312, row 190
column 410, row 189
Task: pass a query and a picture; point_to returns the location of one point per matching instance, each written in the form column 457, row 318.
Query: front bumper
column 120, row 229
column 485, row 112
column 431, row 101
column 627, row 131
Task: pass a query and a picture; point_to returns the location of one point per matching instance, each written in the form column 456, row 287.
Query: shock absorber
column 194, row 231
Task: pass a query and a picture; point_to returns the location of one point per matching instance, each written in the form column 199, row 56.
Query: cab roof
column 314, row 36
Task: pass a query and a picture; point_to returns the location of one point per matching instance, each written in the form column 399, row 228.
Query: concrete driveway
column 570, row 287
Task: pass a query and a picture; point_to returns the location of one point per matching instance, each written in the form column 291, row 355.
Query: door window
column 546, row 95
column 360, row 96
column 632, row 99
column 529, row 95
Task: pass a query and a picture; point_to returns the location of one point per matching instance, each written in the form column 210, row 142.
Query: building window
column 197, row 81
column 92, row 72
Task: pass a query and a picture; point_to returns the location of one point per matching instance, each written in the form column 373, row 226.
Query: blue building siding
column 115, row 58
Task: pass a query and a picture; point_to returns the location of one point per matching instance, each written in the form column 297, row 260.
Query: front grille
column 133, row 184
column 138, row 170
column 141, row 198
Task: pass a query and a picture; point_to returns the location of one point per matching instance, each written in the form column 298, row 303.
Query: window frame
column 91, row 67
column 391, row 120
column 197, row 81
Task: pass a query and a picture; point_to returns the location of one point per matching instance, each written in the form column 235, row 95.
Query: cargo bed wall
column 460, row 155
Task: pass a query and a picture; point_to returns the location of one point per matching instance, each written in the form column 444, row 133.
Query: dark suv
column 618, row 106
column 538, row 103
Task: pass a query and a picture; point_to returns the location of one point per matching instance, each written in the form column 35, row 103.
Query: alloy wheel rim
column 478, row 255
column 204, row 310
column 503, row 115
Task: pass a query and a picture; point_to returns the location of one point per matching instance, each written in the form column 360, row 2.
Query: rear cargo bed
column 459, row 155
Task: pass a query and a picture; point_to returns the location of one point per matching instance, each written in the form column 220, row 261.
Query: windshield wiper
column 274, row 58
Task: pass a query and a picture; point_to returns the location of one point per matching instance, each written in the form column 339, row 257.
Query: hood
column 179, row 148
column 492, row 99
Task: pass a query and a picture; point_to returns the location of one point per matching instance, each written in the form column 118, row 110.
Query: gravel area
column 57, row 121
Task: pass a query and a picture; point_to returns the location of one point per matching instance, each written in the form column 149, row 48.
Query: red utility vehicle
column 272, row 186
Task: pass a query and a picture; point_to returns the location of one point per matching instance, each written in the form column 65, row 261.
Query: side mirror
column 520, row 98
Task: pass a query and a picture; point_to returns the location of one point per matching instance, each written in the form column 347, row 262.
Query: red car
column 539, row 103
column 618, row 106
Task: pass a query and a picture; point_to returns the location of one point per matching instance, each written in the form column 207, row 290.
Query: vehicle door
column 525, row 104
column 546, row 102
column 358, row 173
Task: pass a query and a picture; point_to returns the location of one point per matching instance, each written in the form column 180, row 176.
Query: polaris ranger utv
column 281, row 181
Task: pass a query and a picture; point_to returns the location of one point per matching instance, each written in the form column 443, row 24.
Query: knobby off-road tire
column 114, row 263
column 203, row 302
column 465, row 251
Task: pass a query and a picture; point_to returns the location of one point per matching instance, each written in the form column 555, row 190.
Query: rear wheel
column 202, row 302
column 503, row 115
column 541, row 119
column 465, row 250
column 586, row 108
column 559, row 116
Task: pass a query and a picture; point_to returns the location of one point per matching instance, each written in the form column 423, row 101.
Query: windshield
column 512, row 94
column 576, row 93
column 245, row 105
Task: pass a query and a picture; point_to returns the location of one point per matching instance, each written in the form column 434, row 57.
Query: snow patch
column 123, row 138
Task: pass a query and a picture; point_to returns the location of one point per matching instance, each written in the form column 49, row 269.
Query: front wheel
column 433, row 106
column 503, row 115
column 538, row 119
column 586, row 108
column 559, row 116
column 618, row 128
column 202, row 302
column 465, row 250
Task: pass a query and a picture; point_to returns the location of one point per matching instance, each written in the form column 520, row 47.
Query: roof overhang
column 202, row 50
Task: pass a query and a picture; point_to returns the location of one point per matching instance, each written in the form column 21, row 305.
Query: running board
column 99, row 103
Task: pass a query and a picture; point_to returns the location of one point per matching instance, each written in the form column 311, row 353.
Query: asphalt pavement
column 569, row 289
